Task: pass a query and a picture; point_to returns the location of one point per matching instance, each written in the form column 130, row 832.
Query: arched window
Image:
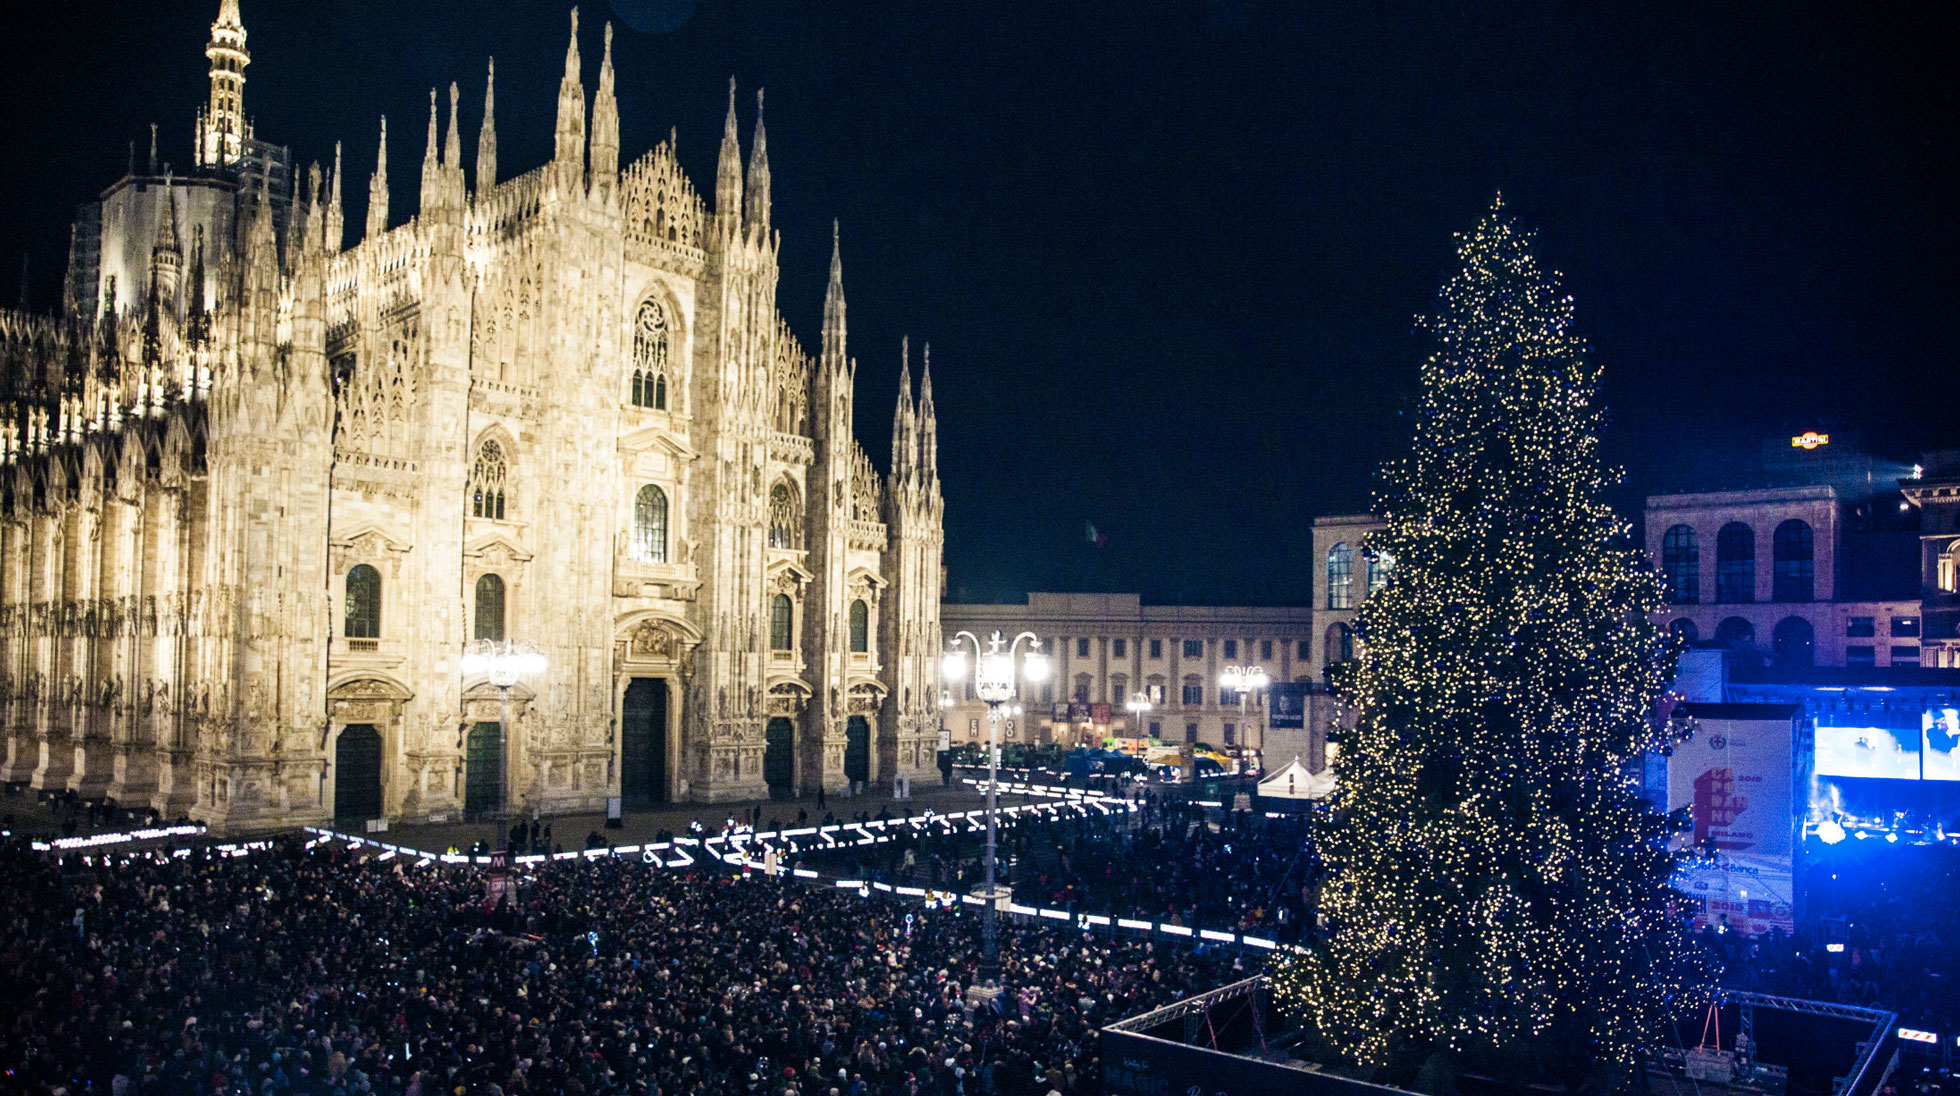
column 785, row 517
column 1794, row 578
column 363, row 603
column 860, row 627
column 1794, row 643
column 1340, row 643
column 1681, row 565
column 1379, row 564
column 489, row 608
column 781, row 617
column 1340, row 577
column 650, row 525
column 1735, row 564
column 1736, row 633
column 487, row 482
column 649, row 387
column 1684, row 629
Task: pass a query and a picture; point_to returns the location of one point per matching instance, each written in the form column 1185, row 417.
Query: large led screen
column 1882, row 752
column 1942, row 746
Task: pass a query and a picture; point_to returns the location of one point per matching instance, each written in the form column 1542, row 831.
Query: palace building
column 259, row 491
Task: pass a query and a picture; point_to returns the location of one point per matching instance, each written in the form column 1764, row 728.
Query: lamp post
column 1242, row 680
column 503, row 662
column 994, row 680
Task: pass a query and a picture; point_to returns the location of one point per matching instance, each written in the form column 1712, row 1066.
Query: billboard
column 1882, row 753
column 1940, row 735
column 1737, row 779
column 1287, row 701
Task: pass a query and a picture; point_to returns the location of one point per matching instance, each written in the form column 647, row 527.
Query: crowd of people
column 317, row 970
column 1881, row 927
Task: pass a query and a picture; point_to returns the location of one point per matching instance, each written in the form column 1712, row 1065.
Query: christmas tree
column 1498, row 898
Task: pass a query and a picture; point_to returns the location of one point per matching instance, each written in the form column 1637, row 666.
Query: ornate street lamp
column 503, row 662
column 995, row 682
column 1243, row 680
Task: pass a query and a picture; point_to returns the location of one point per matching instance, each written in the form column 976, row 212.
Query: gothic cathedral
column 260, row 493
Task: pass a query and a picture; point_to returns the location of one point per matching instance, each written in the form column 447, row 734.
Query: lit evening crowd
column 298, row 970
column 320, row 970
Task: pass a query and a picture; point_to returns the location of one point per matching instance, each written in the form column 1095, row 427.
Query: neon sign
column 1810, row 439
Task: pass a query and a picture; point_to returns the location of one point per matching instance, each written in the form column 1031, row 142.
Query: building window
column 487, row 476
column 1861, row 654
column 1155, row 691
column 785, row 517
column 489, row 608
column 1156, row 730
column 363, row 603
column 1305, row 653
column 1793, row 643
column 1794, row 577
column 1735, row 564
column 1905, row 656
column 650, row 525
column 1082, row 688
column 1119, row 685
column 1227, row 697
column 1684, row 629
column 1156, row 648
column 1340, row 643
column 1231, row 648
column 1379, row 565
column 1861, row 627
column 1231, row 734
column 1047, row 692
column 649, row 387
column 1265, row 650
column 1194, row 648
column 860, row 627
column 781, row 616
column 1947, row 572
column 1119, row 648
column 1736, row 634
column 1194, row 692
column 1340, row 577
column 1681, row 565
column 1082, row 648
column 1190, row 732
column 1905, row 626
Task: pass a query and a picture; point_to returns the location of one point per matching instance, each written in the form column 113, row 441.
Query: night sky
column 1168, row 255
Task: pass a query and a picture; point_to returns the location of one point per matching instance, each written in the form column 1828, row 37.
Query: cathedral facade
column 259, row 492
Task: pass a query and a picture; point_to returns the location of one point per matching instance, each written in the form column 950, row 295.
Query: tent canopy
column 1295, row 782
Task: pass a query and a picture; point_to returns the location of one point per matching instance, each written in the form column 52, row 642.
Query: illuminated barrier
column 1914, row 1035
column 97, row 840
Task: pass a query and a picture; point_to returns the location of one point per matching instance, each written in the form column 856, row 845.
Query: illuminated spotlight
column 1829, row 832
column 1891, row 838
column 1904, row 506
column 1834, row 949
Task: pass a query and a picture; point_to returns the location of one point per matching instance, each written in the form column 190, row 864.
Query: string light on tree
column 1498, row 895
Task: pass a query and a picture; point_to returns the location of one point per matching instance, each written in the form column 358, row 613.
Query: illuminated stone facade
column 261, row 490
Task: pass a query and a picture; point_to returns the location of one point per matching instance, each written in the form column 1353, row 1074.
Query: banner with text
column 1737, row 780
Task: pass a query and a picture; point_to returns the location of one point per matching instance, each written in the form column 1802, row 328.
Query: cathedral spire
column 605, row 127
column 928, row 422
column 486, row 138
column 904, row 424
column 757, row 190
column 431, row 165
column 728, row 172
column 452, row 146
column 222, row 130
column 377, row 212
column 833, row 306
column 335, row 233
column 197, row 309
column 167, row 254
column 569, row 142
